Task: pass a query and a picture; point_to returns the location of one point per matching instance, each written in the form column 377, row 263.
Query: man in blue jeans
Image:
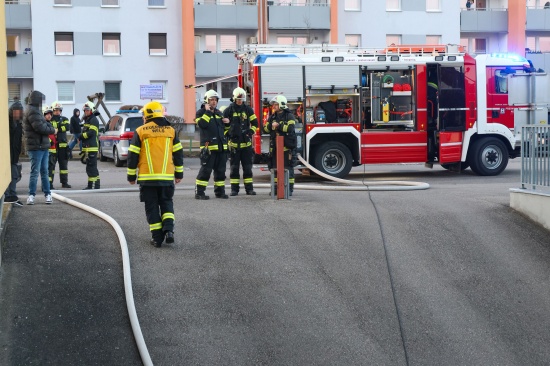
column 37, row 130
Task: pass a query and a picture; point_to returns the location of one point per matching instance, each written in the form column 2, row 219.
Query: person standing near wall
column 61, row 155
column 36, row 130
column 75, row 129
column 15, row 115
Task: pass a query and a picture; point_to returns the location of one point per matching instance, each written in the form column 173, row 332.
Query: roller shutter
column 285, row 80
column 324, row 76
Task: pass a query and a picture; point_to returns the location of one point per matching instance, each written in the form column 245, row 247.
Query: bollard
column 282, row 179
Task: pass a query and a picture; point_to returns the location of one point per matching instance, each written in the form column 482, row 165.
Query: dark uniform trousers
column 159, row 209
column 61, row 157
column 217, row 161
column 92, row 171
column 238, row 157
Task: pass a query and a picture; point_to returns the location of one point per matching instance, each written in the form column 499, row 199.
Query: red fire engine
column 403, row 104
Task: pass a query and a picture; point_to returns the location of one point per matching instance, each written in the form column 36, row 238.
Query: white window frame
column 64, row 98
column 119, row 91
column 352, row 5
column 105, row 53
column 72, row 43
column 62, row 3
column 165, row 53
column 393, row 5
column 164, row 89
column 432, row 8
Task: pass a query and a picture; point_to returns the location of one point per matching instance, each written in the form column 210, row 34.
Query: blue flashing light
column 260, row 59
column 128, row 111
column 509, row 56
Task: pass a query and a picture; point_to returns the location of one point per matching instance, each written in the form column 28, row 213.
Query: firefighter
column 155, row 156
column 213, row 146
column 90, row 144
column 61, row 151
column 242, row 126
column 282, row 123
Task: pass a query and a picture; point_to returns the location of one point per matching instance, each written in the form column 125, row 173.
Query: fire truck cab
column 403, row 104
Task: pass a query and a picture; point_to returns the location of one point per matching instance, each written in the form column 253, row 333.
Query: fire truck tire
column 489, row 156
column 333, row 158
column 101, row 156
column 116, row 158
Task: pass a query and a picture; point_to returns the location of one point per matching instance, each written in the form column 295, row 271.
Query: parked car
column 115, row 140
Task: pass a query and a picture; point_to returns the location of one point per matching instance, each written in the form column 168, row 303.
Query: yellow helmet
column 210, row 94
column 153, row 110
column 89, row 106
column 280, row 100
column 46, row 109
column 239, row 93
column 57, row 105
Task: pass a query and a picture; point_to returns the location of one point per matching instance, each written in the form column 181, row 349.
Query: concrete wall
column 535, row 205
column 373, row 22
column 89, row 69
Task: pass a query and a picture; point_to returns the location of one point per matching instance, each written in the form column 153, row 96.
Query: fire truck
column 432, row 104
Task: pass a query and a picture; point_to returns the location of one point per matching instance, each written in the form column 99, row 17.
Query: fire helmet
column 47, row 109
column 57, row 105
column 153, row 110
column 239, row 93
column 280, row 100
column 211, row 94
column 89, row 106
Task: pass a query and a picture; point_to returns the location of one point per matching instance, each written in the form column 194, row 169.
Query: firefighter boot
column 169, row 237
column 290, row 189
column 90, row 185
column 249, row 189
column 97, row 184
column 234, row 189
column 199, row 193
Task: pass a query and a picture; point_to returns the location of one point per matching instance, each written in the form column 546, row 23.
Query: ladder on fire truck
column 394, row 50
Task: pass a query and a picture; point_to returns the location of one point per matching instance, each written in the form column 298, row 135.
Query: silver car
column 115, row 140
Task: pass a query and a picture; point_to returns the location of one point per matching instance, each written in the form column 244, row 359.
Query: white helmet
column 280, row 100
column 57, row 105
column 89, row 106
column 210, row 94
column 239, row 93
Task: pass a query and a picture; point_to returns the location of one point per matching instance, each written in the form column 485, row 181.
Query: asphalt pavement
column 445, row 276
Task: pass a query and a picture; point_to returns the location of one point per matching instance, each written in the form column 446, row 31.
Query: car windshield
column 132, row 123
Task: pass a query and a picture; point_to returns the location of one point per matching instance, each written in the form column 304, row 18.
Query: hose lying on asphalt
column 140, row 342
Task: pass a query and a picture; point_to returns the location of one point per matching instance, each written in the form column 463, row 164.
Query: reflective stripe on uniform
column 135, row 149
column 168, row 215
column 131, row 171
column 219, row 183
column 178, row 169
column 155, row 226
column 247, row 180
column 203, row 183
column 234, row 180
column 177, row 147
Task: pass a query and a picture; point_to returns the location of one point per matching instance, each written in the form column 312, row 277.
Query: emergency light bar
column 128, row 111
column 509, row 56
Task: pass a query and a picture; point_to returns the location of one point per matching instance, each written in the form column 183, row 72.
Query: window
column 163, row 83
column 433, row 5
column 210, row 42
column 109, row 2
column 228, row 42
column 65, row 91
column 156, row 3
column 197, row 43
column 14, row 90
column 285, row 40
column 301, row 40
column 112, row 91
column 213, row 86
column 465, row 43
column 480, row 45
column 157, row 44
column 393, row 39
column 13, row 42
column 393, row 4
column 538, row 44
column 227, row 88
column 501, row 82
column 352, row 5
column 62, row 2
column 433, row 39
column 63, row 43
column 111, row 43
column 353, row 40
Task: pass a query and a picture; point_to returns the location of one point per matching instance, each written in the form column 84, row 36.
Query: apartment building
column 69, row 49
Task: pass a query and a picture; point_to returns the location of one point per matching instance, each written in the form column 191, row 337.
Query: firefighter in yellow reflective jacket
column 242, row 126
column 282, row 123
column 90, row 144
column 61, row 155
column 155, row 157
column 213, row 147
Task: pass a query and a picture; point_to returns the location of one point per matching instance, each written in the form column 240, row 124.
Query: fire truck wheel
column 333, row 158
column 118, row 162
column 101, row 157
column 489, row 156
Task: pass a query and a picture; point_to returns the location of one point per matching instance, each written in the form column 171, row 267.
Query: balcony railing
column 269, row 2
column 535, row 158
column 17, row 2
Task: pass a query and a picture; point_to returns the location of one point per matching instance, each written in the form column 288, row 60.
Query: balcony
column 20, row 66
column 538, row 19
column 215, row 64
column 238, row 14
column 491, row 20
column 310, row 14
column 18, row 15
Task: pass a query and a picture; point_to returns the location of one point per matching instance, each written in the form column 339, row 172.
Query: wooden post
column 280, row 167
